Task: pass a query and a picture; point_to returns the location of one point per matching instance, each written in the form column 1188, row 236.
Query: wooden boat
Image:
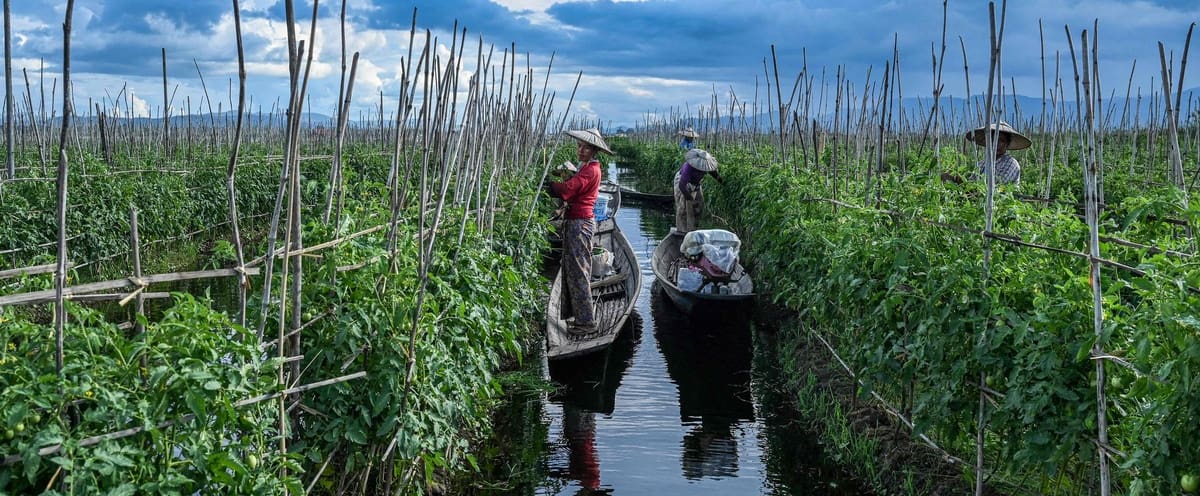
column 668, row 260
column 652, row 198
column 613, row 298
column 589, row 382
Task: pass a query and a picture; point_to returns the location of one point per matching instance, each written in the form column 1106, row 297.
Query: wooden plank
column 114, row 296
column 610, row 280
column 29, row 271
column 48, row 295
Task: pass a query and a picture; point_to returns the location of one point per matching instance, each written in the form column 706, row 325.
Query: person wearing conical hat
column 689, row 136
column 689, row 195
column 1008, row 170
column 580, row 192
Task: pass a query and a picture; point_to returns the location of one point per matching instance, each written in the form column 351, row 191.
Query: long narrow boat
column 653, row 198
column 613, row 298
column 590, row 382
column 667, row 261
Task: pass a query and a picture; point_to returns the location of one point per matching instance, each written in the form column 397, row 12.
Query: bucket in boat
column 600, row 210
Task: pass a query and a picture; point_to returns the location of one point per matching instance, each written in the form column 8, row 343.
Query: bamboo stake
column 231, row 171
column 60, row 276
column 989, row 212
column 9, row 107
column 1091, row 197
column 140, row 306
column 166, row 144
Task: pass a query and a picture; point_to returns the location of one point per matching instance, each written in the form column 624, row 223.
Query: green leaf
column 355, row 433
column 196, row 403
column 17, row 414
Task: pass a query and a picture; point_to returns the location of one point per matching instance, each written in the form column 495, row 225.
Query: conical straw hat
column 701, row 160
column 1018, row 142
column 688, row 132
column 592, row 137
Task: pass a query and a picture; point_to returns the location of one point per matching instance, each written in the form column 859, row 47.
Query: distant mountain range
column 221, row 119
column 1021, row 111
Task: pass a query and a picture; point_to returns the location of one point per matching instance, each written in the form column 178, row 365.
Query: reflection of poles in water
column 710, row 449
column 583, row 465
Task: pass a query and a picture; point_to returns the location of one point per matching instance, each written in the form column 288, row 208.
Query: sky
column 639, row 59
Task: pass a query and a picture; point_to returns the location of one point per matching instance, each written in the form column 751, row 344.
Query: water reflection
column 677, row 406
column 709, row 361
column 587, row 386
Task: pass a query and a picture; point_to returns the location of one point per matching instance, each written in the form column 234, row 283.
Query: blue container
column 600, row 210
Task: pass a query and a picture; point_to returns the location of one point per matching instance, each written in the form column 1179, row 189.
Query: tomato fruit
column 1116, row 383
column 990, row 381
column 1189, row 483
column 8, row 434
column 20, row 427
column 252, row 461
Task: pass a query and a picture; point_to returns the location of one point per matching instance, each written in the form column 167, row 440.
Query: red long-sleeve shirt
column 580, row 191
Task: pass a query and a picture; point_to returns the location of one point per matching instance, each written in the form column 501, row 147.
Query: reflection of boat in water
column 590, row 381
column 709, row 361
column 587, row 385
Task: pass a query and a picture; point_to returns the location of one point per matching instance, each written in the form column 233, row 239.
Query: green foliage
column 430, row 337
column 922, row 314
column 187, row 368
column 169, row 204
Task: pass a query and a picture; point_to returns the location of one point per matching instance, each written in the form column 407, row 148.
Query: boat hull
column 666, row 263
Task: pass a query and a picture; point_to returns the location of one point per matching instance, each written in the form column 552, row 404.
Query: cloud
column 636, row 57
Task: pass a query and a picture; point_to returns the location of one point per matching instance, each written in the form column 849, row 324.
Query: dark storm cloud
column 114, row 37
column 635, row 55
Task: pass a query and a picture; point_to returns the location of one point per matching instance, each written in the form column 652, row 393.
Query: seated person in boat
column 689, row 196
column 580, row 192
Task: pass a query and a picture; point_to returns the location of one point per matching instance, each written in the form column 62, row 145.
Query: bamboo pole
column 60, row 276
column 9, row 106
column 1091, row 197
column 996, row 39
column 140, row 306
column 231, row 171
column 166, row 144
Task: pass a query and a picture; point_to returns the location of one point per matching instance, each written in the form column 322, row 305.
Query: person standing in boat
column 689, row 136
column 580, row 192
column 689, row 196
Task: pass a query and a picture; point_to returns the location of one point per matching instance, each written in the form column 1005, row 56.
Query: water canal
column 677, row 405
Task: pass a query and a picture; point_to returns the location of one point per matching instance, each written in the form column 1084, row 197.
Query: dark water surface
column 677, row 406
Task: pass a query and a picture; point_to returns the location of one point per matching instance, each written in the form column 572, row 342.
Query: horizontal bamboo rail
column 129, row 282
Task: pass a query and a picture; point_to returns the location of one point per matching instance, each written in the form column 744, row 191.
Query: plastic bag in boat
column 602, row 263
column 719, row 247
column 689, row 279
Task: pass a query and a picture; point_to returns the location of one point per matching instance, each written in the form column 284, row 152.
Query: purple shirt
column 690, row 175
